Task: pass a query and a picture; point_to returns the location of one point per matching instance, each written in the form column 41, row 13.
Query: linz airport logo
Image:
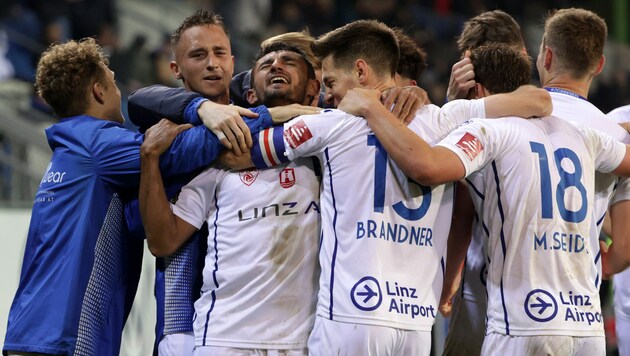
column 287, row 178
column 297, row 134
column 470, row 145
column 248, row 176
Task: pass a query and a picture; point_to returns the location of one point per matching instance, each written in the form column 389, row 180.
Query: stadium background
column 135, row 35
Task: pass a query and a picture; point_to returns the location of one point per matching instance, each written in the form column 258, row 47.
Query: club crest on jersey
column 297, row 134
column 470, row 145
column 287, row 178
column 248, row 176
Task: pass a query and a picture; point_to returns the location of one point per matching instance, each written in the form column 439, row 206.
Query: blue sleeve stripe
column 269, row 149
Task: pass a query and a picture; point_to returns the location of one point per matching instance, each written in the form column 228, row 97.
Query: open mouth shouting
column 277, row 80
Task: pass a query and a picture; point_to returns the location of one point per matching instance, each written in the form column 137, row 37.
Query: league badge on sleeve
column 297, row 134
column 471, row 145
column 287, row 178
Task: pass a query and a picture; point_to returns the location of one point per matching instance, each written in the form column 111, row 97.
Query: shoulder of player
column 620, row 114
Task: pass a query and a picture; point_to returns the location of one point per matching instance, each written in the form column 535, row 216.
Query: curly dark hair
column 64, row 73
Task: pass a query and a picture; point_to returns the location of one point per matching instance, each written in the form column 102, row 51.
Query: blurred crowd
column 28, row 26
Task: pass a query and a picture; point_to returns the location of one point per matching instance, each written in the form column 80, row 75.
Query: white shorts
column 337, row 338
column 621, row 284
column 179, row 344
column 232, row 351
column 466, row 329
column 622, row 328
column 499, row 344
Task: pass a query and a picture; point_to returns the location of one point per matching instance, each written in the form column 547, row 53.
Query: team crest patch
column 287, row 178
column 248, row 176
column 297, row 134
column 470, row 145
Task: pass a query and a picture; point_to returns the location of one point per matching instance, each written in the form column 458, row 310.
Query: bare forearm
column 527, row 101
column 617, row 261
column 459, row 237
column 619, row 251
column 157, row 217
column 417, row 159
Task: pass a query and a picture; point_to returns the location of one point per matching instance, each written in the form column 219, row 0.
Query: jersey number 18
column 567, row 180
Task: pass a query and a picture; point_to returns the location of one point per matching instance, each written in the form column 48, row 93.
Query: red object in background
column 442, row 7
column 609, row 329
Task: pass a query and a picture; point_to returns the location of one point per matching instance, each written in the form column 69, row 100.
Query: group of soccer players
column 331, row 233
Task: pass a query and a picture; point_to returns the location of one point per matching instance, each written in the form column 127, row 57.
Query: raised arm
column 165, row 231
column 417, row 159
column 462, row 79
column 526, row 101
column 147, row 106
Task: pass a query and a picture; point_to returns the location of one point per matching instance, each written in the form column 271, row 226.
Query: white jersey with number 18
column 538, row 185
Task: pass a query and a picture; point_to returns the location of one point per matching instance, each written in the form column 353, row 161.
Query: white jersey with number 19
column 538, row 188
column 383, row 235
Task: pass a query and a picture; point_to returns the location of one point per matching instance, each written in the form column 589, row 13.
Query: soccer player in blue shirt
column 80, row 270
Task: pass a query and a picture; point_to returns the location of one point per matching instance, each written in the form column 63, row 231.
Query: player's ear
column 548, row 57
column 252, row 99
column 361, row 67
column 97, row 92
column 175, row 70
column 600, row 65
column 313, row 87
column 479, row 91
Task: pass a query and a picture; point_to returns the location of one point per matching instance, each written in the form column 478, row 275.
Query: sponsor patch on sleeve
column 297, row 134
column 470, row 145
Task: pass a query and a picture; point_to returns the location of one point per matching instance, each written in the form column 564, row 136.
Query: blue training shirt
column 79, row 272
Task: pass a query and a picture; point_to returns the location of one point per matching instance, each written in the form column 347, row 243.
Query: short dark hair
column 500, row 68
column 369, row 40
column 413, row 59
column 199, row 18
column 277, row 47
column 489, row 27
column 577, row 38
column 64, row 73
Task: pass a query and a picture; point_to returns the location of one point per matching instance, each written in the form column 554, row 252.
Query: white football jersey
column 383, row 235
column 538, row 181
column 621, row 281
column 569, row 107
column 475, row 271
column 260, row 274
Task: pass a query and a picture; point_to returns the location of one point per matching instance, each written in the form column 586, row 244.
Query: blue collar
column 564, row 91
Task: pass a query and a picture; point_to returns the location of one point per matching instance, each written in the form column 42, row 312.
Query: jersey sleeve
column 622, row 192
column 607, row 151
column 194, row 200
column 147, row 106
column 472, row 144
column 456, row 112
column 116, row 154
column 303, row 136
